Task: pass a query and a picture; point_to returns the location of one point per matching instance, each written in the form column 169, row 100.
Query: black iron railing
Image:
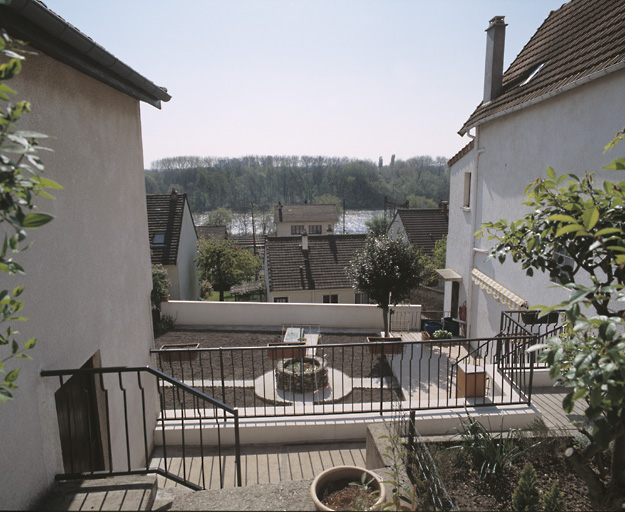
column 295, row 380
column 98, row 407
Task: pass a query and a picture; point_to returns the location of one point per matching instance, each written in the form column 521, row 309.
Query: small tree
column 387, row 270
column 526, row 498
column 219, row 217
column 378, row 225
column 570, row 216
column 20, row 183
column 224, row 264
column 552, row 500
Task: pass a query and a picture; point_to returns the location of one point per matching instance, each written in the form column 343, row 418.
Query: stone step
column 111, row 493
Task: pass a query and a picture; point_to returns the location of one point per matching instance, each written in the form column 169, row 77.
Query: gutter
column 32, row 22
column 573, row 85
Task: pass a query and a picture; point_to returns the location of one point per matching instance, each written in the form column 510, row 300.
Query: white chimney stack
column 304, row 240
column 495, row 40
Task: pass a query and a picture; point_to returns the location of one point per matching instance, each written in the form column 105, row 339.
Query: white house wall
column 87, row 283
column 188, row 282
column 567, row 132
column 345, row 296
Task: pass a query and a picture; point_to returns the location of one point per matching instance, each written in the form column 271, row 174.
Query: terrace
column 227, row 418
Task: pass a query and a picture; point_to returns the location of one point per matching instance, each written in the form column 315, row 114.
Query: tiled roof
column 424, row 226
column 165, row 212
column 328, row 256
column 574, row 44
column 461, row 153
column 218, row 232
column 306, row 213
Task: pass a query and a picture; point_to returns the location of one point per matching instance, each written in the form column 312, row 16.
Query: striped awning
column 499, row 292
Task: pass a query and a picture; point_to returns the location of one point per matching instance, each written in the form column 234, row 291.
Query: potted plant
column 441, row 334
column 347, row 488
column 160, row 285
column 388, row 345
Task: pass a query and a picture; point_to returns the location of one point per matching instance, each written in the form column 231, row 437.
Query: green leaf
column 616, row 165
column 569, row 229
column 608, row 231
column 30, row 343
column 551, row 173
column 590, row 218
column 36, row 220
column 12, row 375
column 563, row 218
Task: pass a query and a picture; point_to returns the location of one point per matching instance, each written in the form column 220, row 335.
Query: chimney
column 279, row 211
column 444, row 206
column 495, row 39
column 304, row 241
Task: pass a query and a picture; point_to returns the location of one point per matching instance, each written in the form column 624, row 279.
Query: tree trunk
column 221, row 295
column 385, row 313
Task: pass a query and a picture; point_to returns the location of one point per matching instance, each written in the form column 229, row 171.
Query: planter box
column 346, row 474
column 184, row 355
column 389, row 345
column 471, row 382
column 280, row 350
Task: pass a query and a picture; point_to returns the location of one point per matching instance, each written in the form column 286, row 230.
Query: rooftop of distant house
column 424, row 226
column 165, row 215
column 305, row 213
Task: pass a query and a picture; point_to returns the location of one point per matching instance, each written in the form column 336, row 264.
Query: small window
column 314, row 229
column 466, row 202
column 330, row 299
column 158, row 239
column 362, row 298
column 281, row 299
column 297, row 230
column 565, row 265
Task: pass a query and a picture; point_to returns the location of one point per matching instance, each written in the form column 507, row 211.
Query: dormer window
column 158, row 240
column 533, row 74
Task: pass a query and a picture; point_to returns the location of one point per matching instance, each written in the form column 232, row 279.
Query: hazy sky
column 355, row 78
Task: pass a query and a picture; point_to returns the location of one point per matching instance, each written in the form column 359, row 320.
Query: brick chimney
column 495, row 39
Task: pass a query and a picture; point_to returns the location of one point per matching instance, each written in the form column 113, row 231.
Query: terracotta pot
column 391, row 345
column 351, row 473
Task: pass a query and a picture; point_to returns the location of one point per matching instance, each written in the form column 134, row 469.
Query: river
column 354, row 221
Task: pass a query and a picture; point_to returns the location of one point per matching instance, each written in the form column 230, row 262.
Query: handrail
column 197, row 396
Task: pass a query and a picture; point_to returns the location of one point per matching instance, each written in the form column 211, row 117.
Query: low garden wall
column 235, row 315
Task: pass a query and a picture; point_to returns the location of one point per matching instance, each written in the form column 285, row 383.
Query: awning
column 448, row 274
column 499, row 292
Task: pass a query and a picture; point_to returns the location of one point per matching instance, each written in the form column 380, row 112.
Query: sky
column 343, row 78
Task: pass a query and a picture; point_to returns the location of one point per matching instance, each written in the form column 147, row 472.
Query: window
column 565, row 265
column 330, row 299
column 466, row 202
column 297, row 230
column 281, row 299
column 314, row 229
column 362, row 298
column 158, row 239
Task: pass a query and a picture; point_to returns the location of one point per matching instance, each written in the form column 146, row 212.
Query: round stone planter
column 345, row 474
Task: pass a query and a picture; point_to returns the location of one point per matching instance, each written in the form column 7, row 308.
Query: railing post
column 237, row 448
column 223, row 380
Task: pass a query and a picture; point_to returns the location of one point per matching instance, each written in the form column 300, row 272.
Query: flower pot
column 281, row 350
column 343, row 476
column 165, row 298
column 388, row 345
column 183, row 355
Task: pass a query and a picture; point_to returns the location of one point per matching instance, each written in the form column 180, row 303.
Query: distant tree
column 437, row 260
column 219, row 217
column 330, row 199
column 378, row 225
column 421, row 202
column 224, row 264
column 386, row 270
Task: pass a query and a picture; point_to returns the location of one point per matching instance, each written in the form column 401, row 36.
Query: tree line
column 234, row 183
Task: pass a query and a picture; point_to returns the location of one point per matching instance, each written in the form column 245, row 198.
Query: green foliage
column 571, row 216
column 526, row 498
column 219, row 217
column 417, row 201
column 387, row 270
column 212, row 183
column 491, row 455
column 160, row 284
column 404, row 496
column 552, row 500
column 441, row 334
column 378, row 225
column 224, row 264
column 165, row 323
column 20, row 183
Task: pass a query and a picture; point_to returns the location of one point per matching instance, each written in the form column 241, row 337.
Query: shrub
column 442, row 335
column 552, row 500
column 526, row 497
column 160, row 284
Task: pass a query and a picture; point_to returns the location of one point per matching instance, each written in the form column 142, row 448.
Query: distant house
column 87, row 283
column 422, row 227
column 311, row 269
column 315, row 219
column 173, row 242
column 216, row 232
column 558, row 104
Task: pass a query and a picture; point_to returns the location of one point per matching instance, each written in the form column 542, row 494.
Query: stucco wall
column 187, row 251
column 88, row 272
column 567, row 132
column 345, row 296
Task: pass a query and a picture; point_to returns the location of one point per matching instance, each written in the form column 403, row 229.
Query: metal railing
column 537, row 330
column 345, row 378
column 106, row 405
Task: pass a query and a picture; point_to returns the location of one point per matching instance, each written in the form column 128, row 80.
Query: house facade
column 173, row 242
column 87, row 282
column 558, row 104
column 311, row 269
column 315, row 219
